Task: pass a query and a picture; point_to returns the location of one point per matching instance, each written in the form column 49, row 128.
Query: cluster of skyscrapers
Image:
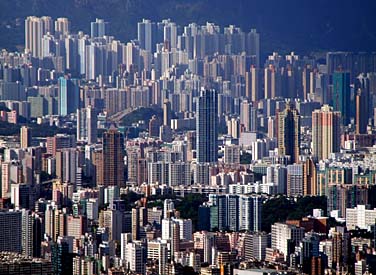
column 179, row 112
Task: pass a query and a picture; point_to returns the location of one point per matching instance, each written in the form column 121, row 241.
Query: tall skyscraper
column 248, row 116
column 135, row 223
column 309, row 178
column 326, row 132
column 341, row 241
column 250, row 208
column 253, row 45
column 99, row 28
column 87, row 124
column 134, row 257
column 289, row 133
column 62, row 260
column 25, row 137
column 10, row 231
column 5, row 180
column 175, row 239
column 272, row 82
column 253, row 90
column 62, row 27
column 295, row 183
column 113, row 158
column 170, row 33
column 365, row 82
column 166, row 112
column 342, row 95
column 147, row 34
column 66, row 165
column 112, row 219
column 35, row 29
column 207, row 127
column 31, row 234
column 361, row 111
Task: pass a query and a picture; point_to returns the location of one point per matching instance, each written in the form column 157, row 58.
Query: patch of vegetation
column 141, row 114
column 245, row 158
column 187, row 206
column 281, row 208
column 8, row 129
column 130, row 198
column 38, row 130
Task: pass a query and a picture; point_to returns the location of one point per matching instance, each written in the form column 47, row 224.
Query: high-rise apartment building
column 99, row 28
column 310, row 178
column 253, row 89
column 87, row 124
column 250, row 211
column 272, row 82
column 60, row 141
column 289, row 133
column 62, row 27
column 360, row 217
column 66, row 165
column 25, row 137
column 35, row 29
column 134, row 256
column 326, row 132
column 113, row 158
column 248, row 116
column 285, row 236
column 147, row 35
column 31, row 234
column 295, row 180
column 255, row 244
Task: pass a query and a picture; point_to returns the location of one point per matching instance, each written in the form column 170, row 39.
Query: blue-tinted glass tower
column 342, row 95
column 207, row 127
column 69, row 96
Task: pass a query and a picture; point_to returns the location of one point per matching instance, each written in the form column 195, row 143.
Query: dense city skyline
column 189, row 149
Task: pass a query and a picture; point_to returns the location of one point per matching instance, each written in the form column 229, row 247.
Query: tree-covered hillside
column 284, row 25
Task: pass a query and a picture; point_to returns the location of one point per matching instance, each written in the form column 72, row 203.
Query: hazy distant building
column 62, row 27
column 35, row 28
column 253, row 89
column 99, row 28
column 147, row 35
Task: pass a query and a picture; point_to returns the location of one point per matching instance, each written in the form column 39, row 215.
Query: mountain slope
column 284, row 25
